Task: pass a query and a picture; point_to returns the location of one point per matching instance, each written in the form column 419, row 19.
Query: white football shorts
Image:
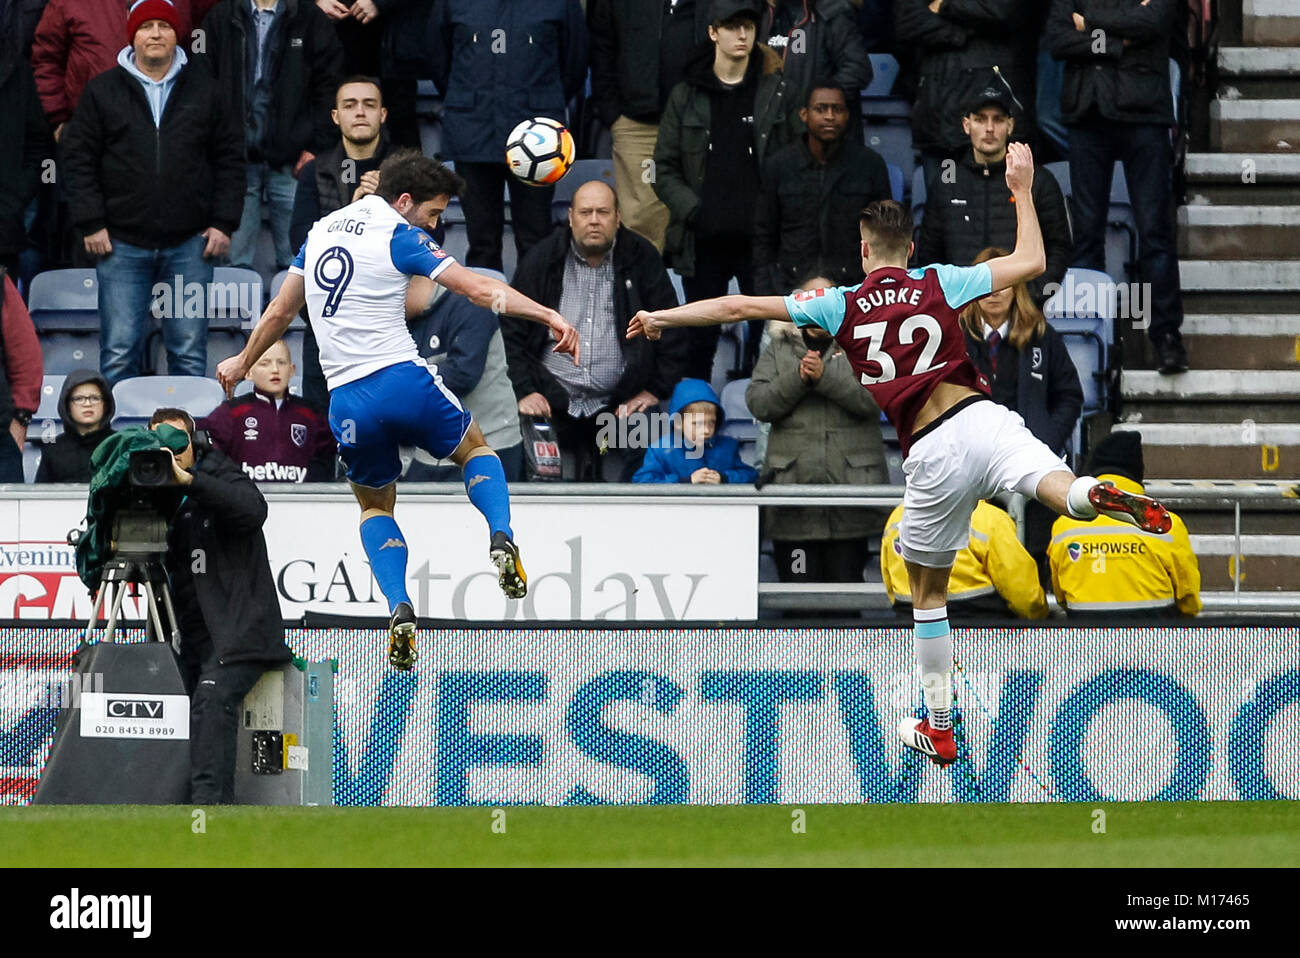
column 981, row 450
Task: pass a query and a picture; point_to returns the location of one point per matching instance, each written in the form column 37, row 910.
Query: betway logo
column 274, row 472
column 74, row 911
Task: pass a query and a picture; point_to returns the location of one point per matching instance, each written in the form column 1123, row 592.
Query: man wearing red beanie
column 154, row 167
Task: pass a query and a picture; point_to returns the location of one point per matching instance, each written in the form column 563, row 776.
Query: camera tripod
column 139, row 544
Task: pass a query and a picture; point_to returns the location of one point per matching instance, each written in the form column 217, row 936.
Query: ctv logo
column 134, row 708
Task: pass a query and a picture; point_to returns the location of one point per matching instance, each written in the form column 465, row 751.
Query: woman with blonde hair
column 1030, row 371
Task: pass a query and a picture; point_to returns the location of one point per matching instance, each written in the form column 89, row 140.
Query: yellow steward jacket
column 1107, row 565
column 994, row 563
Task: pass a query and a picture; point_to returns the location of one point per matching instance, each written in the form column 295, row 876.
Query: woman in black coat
column 1031, row 372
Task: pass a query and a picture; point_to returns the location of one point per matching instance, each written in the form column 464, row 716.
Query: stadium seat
column 738, row 421
column 1089, row 337
column 893, row 141
column 31, row 462
column 877, row 101
column 235, row 298
column 895, row 182
column 884, row 74
column 137, row 398
column 64, row 352
column 47, row 416
column 430, row 137
column 65, row 300
column 456, row 242
column 582, row 171
column 276, row 282
column 1121, row 226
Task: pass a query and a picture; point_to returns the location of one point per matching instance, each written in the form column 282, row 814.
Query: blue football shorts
column 401, row 405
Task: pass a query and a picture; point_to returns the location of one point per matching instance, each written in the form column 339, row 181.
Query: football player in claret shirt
column 901, row 332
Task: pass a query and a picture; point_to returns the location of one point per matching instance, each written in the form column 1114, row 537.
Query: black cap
column 991, row 93
column 1119, row 454
column 721, row 11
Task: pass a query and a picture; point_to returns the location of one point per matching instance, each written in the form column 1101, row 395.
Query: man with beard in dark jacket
column 278, row 62
column 225, row 598
column 86, row 408
column 1118, row 105
column 817, row 39
column 972, row 210
column 959, row 42
column 721, row 122
column 597, row 274
column 154, row 165
column 814, row 191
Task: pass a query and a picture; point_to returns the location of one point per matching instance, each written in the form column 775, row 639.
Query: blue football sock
column 386, row 549
column 485, row 482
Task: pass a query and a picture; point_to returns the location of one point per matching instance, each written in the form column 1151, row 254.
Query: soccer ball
column 539, row 151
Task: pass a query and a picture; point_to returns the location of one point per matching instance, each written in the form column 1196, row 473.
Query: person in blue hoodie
column 693, row 453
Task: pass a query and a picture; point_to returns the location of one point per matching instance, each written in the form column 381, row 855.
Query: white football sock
column 1076, row 500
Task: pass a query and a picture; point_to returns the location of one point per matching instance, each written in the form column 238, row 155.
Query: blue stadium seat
column 582, row 171
column 893, row 141
column 64, row 352
column 884, row 74
column 918, row 194
column 738, row 421
column 1087, row 324
column 65, row 300
column 137, row 398
column 895, row 182
column 276, row 282
column 430, row 137
column 235, row 298
column 31, row 461
column 456, row 241
column 46, row 422
column 1121, row 226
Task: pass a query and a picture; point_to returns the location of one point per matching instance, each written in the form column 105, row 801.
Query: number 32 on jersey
column 874, row 334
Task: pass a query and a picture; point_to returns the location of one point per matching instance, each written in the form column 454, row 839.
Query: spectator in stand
column 1110, row 568
column 597, row 274
column 76, row 41
column 818, row 39
column 814, row 190
column 639, row 51
column 156, row 185
column 825, row 429
column 993, row 577
column 497, row 64
column 959, row 43
column 339, row 176
column 20, row 378
column 271, row 434
column 386, row 39
column 464, row 343
column 24, row 146
column 972, row 209
column 278, row 63
column 876, row 24
column 694, row 453
column 1029, row 367
column 86, row 408
column 721, row 123
column 1118, row 105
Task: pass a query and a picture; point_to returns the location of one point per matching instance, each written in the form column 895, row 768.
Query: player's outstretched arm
column 707, row 312
column 275, row 320
column 1029, row 258
column 495, row 295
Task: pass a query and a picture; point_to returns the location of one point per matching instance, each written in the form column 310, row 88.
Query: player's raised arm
column 707, row 312
column 1029, row 258
column 270, row 328
column 497, row 296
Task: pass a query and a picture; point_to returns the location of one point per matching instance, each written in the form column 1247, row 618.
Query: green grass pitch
column 1141, row 834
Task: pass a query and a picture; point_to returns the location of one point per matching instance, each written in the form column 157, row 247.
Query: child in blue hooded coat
column 680, row 458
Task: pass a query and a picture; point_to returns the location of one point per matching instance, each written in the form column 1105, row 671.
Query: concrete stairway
column 1236, row 414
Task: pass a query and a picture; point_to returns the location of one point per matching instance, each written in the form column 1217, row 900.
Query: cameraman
column 225, row 598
